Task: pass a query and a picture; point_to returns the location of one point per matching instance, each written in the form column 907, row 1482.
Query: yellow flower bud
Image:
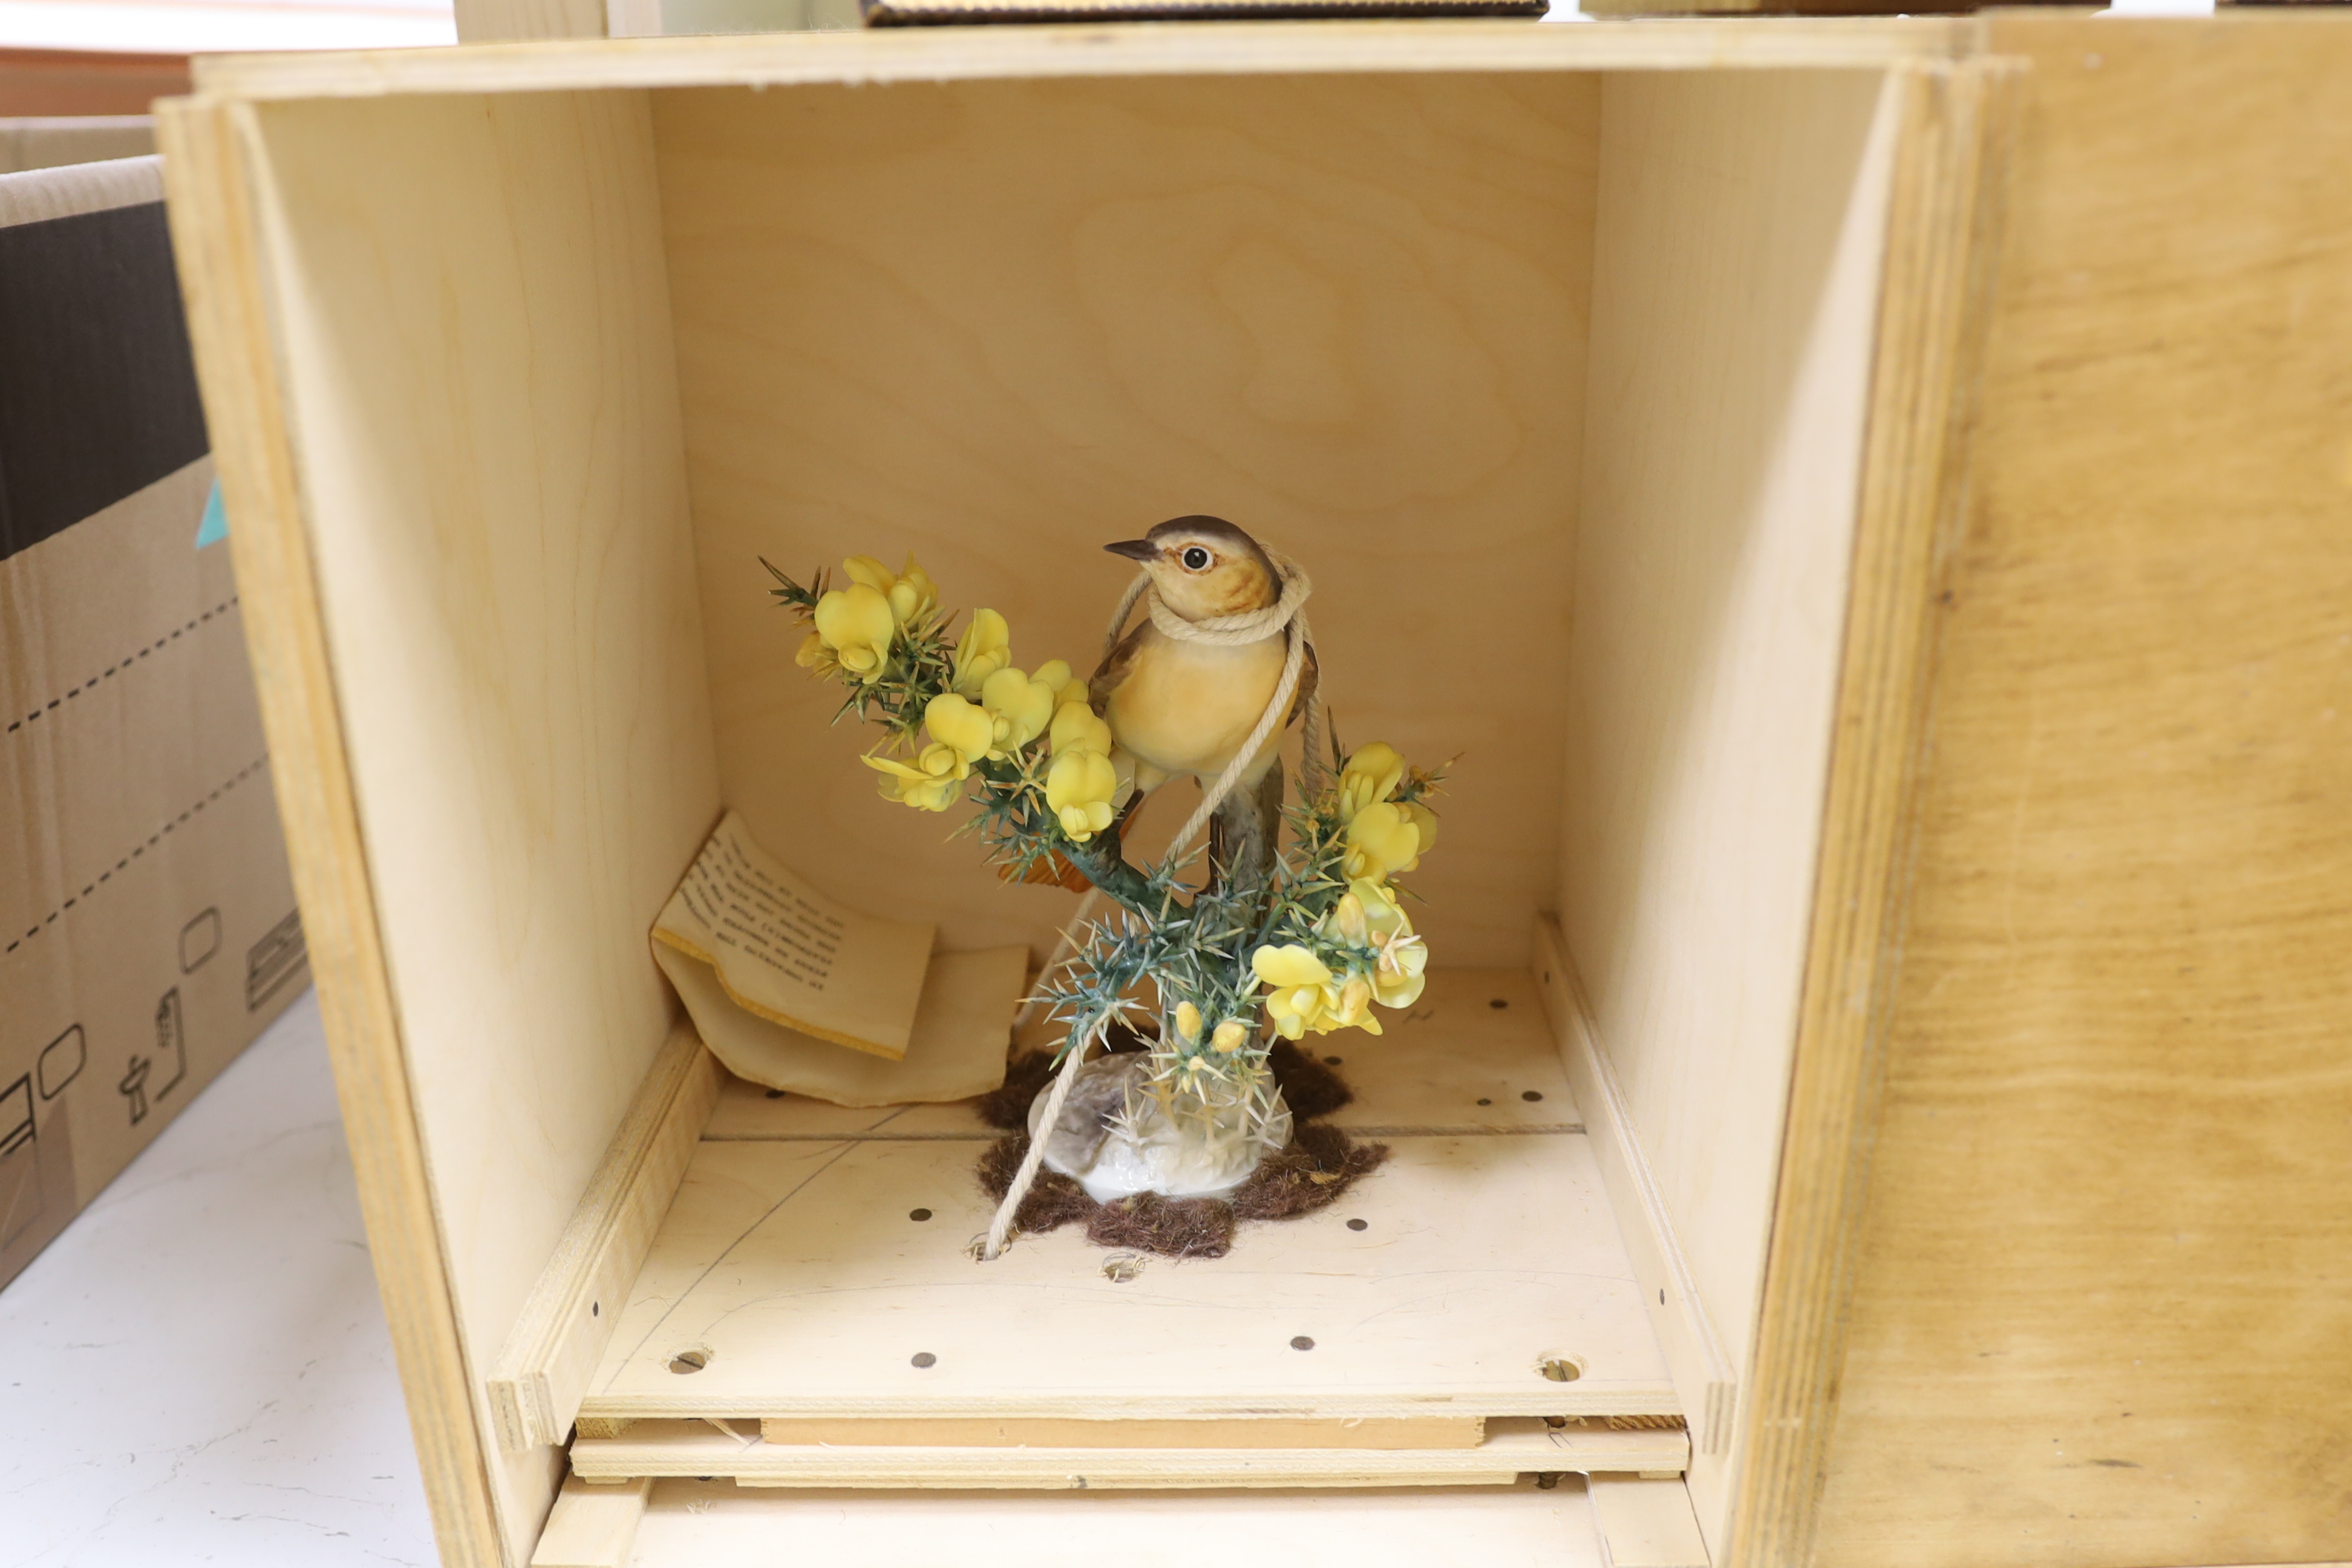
column 1188, row 1022
column 1076, row 727
column 1371, row 773
column 1019, row 708
column 855, row 623
column 1230, row 1035
column 1078, row 789
column 1347, row 921
column 985, row 647
column 960, row 728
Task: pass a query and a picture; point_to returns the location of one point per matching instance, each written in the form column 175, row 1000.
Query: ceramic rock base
column 1113, row 1152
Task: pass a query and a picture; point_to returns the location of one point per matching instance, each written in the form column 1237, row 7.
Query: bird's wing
column 1310, row 675
column 1116, row 665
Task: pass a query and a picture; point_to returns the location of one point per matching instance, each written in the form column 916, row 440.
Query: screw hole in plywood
column 1357, row 1225
column 691, row 1360
column 924, row 1358
column 1301, row 1342
column 1498, row 1004
column 1485, row 1102
column 1331, row 1061
column 1559, row 1369
column 919, row 1215
column 1531, row 1095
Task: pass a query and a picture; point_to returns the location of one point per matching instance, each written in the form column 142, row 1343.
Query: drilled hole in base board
column 1302, row 1343
column 1498, row 1004
column 924, row 1358
column 687, row 1361
column 1561, row 1370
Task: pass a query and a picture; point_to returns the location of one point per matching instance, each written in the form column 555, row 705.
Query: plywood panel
column 2100, row 1317
column 472, row 320
column 1741, row 220
column 1003, row 324
column 801, row 1274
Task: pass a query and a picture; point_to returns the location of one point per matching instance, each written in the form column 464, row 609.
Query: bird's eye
column 1195, row 559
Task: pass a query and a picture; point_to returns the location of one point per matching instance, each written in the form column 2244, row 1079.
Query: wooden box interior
column 1556, row 381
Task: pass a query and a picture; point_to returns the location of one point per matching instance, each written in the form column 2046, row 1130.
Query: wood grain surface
column 2101, row 1316
column 1002, row 324
column 1741, row 222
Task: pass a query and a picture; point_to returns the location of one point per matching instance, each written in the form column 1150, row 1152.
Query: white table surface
column 197, row 1371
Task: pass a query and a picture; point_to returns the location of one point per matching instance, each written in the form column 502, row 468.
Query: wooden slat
column 1512, row 1448
column 1244, row 49
column 720, row 1525
column 1645, row 1523
column 544, row 1369
column 1703, row 1375
column 592, row 1526
column 1244, row 1432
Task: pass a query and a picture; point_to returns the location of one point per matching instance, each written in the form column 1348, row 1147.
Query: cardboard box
column 147, row 922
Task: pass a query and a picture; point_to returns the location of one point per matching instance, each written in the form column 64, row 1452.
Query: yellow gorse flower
column 1302, row 986
column 857, row 625
column 1066, row 687
column 913, row 786
column 1383, row 840
column 1080, row 788
column 910, row 592
column 1368, row 915
column 960, row 734
column 1077, row 728
column 1019, row 708
column 985, row 647
column 1371, row 774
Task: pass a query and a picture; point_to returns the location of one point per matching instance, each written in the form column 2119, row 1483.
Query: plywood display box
column 1769, row 453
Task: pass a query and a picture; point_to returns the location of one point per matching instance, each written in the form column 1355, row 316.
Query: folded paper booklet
column 791, row 990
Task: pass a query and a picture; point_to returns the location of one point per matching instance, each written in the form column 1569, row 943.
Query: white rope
column 1287, row 614
column 1000, row 1228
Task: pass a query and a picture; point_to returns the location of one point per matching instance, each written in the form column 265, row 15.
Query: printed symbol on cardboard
column 61, row 1061
column 171, row 1041
column 133, row 1086
column 199, row 939
column 16, row 1116
column 273, row 961
column 20, row 1167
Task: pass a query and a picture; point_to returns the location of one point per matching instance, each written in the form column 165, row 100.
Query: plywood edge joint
column 544, row 1370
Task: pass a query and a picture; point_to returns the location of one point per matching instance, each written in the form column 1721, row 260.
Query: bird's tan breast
column 1186, row 708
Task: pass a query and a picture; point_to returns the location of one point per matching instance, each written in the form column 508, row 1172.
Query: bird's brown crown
column 1206, row 567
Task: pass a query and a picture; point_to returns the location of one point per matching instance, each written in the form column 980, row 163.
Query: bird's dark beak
column 1135, row 549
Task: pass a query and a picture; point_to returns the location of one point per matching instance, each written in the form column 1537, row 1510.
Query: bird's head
column 1205, row 567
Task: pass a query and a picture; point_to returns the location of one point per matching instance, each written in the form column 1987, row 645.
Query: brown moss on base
column 1313, row 1172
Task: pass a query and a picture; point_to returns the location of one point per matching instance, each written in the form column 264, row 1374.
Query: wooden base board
column 793, row 1271
column 1512, row 1448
